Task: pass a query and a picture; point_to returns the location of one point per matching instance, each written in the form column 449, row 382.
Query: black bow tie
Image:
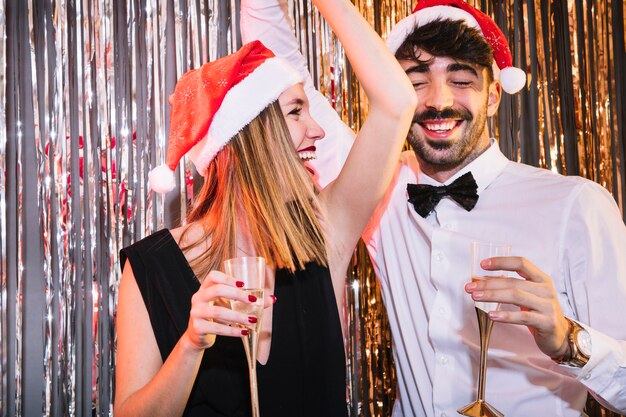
column 426, row 197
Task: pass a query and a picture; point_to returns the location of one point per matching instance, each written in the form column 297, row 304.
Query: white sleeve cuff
column 605, row 373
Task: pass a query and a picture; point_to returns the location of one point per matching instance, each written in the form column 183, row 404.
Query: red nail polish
column 239, row 284
column 252, row 319
column 252, row 298
column 273, row 297
column 245, row 332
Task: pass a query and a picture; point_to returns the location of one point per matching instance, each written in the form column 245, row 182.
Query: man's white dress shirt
column 568, row 227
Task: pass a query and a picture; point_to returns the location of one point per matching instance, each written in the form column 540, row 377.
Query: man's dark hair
column 448, row 38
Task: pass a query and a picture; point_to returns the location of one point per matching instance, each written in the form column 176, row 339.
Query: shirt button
column 443, row 360
column 443, row 415
column 439, row 257
column 442, row 311
column 586, row 377
column 447, row 226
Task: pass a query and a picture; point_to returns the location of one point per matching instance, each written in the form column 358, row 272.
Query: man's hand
column 534, row 294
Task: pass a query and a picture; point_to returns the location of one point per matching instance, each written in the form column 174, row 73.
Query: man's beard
column 429, row 152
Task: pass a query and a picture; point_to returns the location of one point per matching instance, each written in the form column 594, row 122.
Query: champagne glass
column 251, row 271
column 480, row 251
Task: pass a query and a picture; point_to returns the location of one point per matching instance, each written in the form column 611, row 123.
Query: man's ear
column 493, row 101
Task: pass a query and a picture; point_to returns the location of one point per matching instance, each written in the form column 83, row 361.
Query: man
column 561, row 331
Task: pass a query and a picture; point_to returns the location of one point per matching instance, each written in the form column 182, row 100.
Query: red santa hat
column 512, row 79
column 213, row 103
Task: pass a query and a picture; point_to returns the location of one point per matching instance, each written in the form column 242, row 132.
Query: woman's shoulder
column 155, row 239
column 158, row 251
column 177, row 233
column 188, row 236
column 147, row 248
column 161, row 243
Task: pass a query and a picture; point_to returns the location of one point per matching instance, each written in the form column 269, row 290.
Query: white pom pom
column 512, row 79
column 162, row 179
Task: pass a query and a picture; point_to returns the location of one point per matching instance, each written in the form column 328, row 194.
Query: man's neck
column 438, row 173
column 442, row 173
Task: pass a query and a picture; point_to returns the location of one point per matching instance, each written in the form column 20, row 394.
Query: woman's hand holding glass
column 211, row 312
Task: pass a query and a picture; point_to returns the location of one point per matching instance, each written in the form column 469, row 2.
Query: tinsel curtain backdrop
column 84, row 117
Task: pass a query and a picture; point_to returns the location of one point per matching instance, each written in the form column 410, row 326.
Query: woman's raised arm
column 350, row 200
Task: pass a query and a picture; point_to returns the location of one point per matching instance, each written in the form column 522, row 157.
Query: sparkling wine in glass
column 251, row 271
column 480, row 251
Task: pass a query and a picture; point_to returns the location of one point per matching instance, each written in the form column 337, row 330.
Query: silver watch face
column 583, row 340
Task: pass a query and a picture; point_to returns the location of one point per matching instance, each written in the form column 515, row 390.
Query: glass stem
column 250, row 346
column 484, row 326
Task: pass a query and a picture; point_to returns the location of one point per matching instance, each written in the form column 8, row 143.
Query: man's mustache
column 447, row 113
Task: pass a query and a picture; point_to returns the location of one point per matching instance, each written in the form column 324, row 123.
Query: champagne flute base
column 479, row 409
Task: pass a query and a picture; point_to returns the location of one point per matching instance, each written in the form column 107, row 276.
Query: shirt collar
column 485, row 168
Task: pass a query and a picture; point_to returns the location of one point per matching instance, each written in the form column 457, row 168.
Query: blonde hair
column 257, row 187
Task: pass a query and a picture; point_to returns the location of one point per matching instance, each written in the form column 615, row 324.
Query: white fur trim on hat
column 242, row 104
column 406, row 26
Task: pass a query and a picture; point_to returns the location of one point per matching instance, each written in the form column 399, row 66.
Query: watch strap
column 575, row 356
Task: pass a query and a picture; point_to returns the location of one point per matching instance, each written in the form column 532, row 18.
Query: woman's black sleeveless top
column 305, row 374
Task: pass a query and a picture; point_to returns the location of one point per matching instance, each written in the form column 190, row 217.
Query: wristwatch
column 579, row 342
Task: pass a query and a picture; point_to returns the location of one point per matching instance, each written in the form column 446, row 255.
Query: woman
column 173, row 354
